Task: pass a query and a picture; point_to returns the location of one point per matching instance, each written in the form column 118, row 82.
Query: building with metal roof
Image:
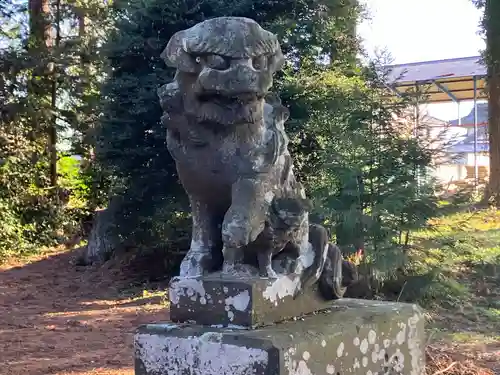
column 468, row 120
column 451, row 80
column 471, row 134
column 441, row 80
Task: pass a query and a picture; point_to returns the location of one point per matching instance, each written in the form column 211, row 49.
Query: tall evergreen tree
column 491, row 30
column 358, row 169
column 40, row 58
column 147, row 198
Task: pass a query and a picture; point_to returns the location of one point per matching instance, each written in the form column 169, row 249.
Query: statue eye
column 217, row 62
column 259, row 62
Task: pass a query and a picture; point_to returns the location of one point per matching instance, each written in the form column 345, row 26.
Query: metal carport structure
column 440, row 81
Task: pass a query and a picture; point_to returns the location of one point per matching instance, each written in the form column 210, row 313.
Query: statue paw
column 239, row 269
column 238, row 229
column 236, row 235
column 194, row 265
column 272, row 274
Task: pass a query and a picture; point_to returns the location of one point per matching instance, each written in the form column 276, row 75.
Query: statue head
column 224, row 69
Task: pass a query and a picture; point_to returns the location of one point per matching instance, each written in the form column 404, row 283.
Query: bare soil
column 59, row 318
column 468, row 345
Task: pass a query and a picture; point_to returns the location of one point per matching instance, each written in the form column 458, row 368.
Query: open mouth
column 240, row 108
column 224, row 100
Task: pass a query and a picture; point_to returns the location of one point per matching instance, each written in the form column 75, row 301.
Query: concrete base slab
column 251, row 302
column 354, row 337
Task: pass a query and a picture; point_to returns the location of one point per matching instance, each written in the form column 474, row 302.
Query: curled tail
column 318, row 240
column 337, row 274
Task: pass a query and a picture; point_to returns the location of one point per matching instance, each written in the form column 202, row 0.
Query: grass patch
column 457, row 259
column 145, row 293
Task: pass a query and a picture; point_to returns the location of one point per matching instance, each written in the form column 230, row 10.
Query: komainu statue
column 225, row 131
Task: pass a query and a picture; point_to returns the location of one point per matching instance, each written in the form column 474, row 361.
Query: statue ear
column 276, row 61
column 176, row 56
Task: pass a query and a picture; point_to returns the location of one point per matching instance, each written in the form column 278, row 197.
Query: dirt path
column 58, row 318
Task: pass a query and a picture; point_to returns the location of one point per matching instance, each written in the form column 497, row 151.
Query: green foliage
column 360, row 165
column 146, row 186
column 73, row 179
column 12, row 240
column 43, row 89
column 452, row 257
column 364, row 173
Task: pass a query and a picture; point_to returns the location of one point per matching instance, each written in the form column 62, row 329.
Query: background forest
column 83, row 155
column 93, row 220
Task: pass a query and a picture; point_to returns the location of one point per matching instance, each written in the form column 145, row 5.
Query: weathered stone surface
column 244, row 302
column 226, row 133
column 355, row 337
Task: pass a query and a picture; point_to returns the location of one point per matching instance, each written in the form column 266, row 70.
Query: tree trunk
column 40, row 28
column 52, row 130
column 492, row 28
column 84, row 24
column 101, row 242
column 44, row 84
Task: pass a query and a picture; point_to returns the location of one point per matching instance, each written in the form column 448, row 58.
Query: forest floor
column 464, row 320
column 60, row 318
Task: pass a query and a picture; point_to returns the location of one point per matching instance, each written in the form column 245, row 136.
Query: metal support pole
column 416, row 130
column 476, row 177
column 416, row 122
column 443, row 88
column 417, row 112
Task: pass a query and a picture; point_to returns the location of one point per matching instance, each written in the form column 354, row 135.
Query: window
column 482, row 132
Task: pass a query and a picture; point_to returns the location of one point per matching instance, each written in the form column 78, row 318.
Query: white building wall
column 482, row 160
column 450, row 172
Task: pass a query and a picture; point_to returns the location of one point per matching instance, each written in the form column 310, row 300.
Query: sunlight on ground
column 70, row 320
column 481, row 220
column 464, row 250
column 102, row 371
column 82, row 333
column 473, row 338
column 462, row 240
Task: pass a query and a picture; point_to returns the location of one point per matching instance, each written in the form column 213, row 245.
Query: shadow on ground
column 59, row 318
column 466, row 322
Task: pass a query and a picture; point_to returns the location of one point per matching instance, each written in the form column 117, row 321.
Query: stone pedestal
column 240, row 302
column 351, row 337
